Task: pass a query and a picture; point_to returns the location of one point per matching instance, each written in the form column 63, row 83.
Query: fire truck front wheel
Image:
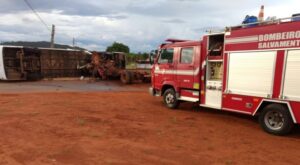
column 170, row 98
column 276, row 119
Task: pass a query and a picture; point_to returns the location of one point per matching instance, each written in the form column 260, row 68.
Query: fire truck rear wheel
column 276, row 119
column 170, row 98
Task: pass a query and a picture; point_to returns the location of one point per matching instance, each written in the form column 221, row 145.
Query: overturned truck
column 112, row 65
column 26, row 63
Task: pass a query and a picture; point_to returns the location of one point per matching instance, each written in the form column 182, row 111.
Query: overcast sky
column 140, row 24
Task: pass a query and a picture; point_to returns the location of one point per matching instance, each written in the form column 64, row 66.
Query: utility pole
column 52, row 36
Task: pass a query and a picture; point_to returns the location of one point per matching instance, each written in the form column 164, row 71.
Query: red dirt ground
column 131, row 128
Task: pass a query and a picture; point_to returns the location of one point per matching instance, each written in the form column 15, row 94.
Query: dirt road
column 66, row 86
column 130, row 128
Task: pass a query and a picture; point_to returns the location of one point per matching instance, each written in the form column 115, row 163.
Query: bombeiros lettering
column 279, row 40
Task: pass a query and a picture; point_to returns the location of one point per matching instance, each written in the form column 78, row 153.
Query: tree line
column 131, row 57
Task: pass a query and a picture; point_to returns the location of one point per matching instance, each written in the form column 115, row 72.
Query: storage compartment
column 213, row 98
column 214, row 84
column 215, row 70
column 291, row 88
column 215, row 45
column 251, row 73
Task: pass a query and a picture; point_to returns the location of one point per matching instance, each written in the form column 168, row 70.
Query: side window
column 166, row 56
column 186, row 56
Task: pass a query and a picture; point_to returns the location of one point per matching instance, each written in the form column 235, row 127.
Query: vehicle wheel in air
column 170, row 98
column 126, row 77
column 276, row 119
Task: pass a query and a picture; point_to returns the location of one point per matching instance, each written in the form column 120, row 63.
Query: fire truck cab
column 176, row 71
column 252, row 70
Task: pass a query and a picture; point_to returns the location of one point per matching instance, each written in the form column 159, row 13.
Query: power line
column 40, row 18
column 37, row 14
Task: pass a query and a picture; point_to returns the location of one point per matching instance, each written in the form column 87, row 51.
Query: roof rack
column 268, row 22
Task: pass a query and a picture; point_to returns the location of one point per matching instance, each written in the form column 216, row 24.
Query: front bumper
column 152, row 91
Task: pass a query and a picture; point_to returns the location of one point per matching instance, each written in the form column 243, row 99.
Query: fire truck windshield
column 166, row 56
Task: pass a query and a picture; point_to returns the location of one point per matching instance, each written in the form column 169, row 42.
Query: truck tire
column 146, row 79
column 170, row 98
column 276, row 119
column 126, row 77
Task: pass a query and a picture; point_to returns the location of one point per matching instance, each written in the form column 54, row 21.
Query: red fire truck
column 254, row 70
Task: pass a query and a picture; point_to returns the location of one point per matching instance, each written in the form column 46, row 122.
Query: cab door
column 185, row 68
column 164, row 70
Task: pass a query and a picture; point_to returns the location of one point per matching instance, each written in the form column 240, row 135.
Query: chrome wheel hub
column 170, row 98
column 274, row 120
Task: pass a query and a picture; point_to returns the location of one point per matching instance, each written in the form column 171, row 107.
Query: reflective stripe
column 177, row 72
column 191, row 99
column 276, row 101
column 2, row 70
column 195, row 93
column 237, row 40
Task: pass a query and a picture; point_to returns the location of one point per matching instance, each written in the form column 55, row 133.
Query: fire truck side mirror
column 151, row 60
column 152, row 56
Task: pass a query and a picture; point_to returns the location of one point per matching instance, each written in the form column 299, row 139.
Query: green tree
column 118, row 47
column 145, row 56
